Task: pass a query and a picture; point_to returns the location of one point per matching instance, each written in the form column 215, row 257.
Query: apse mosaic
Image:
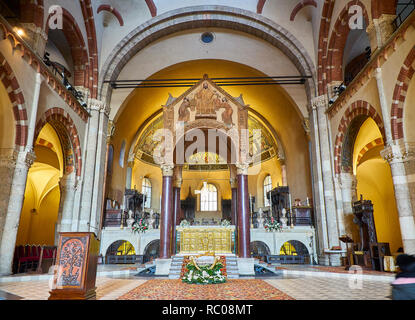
column 207, row 160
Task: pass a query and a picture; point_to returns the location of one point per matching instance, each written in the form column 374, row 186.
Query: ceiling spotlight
column 20, row 32
column 331, row 101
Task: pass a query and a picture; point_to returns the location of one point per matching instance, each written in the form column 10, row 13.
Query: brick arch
column 399, row 95
column 76, row 42
column 338, row 39
column 195, row 17
column 115, row 12
column 64, row 126
column 17, row 99
column 371, row 145
column 356, row 109
column 301, row 5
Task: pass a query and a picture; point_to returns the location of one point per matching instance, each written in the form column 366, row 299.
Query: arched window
column 122, row 154
column 146, row 191
column 267, row 188
column 209, row 198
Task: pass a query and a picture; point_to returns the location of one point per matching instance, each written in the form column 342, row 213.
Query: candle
column 308, row 203
column 289, row 197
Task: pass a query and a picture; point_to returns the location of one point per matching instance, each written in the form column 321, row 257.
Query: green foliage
column 205, row 275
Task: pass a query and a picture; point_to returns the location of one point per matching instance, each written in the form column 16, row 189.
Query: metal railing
column 61, row 72
column 403, row 12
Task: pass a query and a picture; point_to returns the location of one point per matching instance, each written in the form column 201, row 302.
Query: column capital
column 242, row 168
column 319, row 102
column 110, row 131
column 398, row 152
column 167, row 170
column 96, row 105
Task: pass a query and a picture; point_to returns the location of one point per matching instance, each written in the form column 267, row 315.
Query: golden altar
column 200, row 239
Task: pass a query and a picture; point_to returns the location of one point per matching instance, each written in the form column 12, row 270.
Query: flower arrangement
column 204, row 274
column 225, row 223
column 272, row 225
column 184, row 223
column 140, row 226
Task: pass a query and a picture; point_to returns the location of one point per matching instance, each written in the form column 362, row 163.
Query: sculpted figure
column 227, row 114
column 184, row 113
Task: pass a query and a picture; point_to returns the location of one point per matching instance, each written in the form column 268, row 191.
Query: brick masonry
column 17, row 99
column 399, row 95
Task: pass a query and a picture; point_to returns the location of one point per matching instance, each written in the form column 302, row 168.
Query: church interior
column 151, row 149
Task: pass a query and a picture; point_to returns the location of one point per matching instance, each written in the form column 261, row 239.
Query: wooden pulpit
column 76, row 267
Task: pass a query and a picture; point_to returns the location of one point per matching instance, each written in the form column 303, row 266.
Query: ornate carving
column 398, row 152
column 242, row 168
column 319, row 102
column 167, row 170
column 71, row 261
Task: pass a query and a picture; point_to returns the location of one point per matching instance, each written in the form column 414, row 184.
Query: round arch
column 356, row 113
column 76, row 42
column 151, row 250
column 17, row 99
column 399, row 95
column 195, row 17
column 60, row 120
column 259, row 249
column 338, row 41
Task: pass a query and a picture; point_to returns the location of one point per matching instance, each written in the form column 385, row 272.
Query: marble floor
column 299, row 288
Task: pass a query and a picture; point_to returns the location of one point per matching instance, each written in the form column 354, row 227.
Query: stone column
column 67, row 186
column 23, row 162
column 244, row 235
column 7, row 164
column 327, row 188
column 396, row 154
column 347, row 182
column 410, row 172
column 166, row 215
column 92, row 158
column 380, row 30
column 99, row 175
column 284, row 173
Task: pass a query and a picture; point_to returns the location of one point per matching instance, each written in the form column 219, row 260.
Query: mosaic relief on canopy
column 147, row 144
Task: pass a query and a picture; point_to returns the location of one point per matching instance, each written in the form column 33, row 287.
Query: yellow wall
column 7, row 127
column 374, row 182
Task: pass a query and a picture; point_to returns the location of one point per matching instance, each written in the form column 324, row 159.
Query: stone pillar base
column 163, row 267
column 246, row 266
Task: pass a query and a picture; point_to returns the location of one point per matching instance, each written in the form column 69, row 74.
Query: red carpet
column 231, row 290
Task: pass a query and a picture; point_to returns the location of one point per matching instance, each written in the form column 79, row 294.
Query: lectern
column 76, row 267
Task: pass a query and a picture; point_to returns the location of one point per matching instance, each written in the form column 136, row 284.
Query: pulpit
column 76, row 267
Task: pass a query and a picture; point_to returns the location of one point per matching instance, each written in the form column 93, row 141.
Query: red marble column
column 234, row 206
column 176, row 216
column 166, row 217
column 244, row 235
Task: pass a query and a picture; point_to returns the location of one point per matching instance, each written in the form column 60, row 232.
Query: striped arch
column 17, row 99
column 115, row 12
column 64, row 126
column 371, row 145
column 76, row 42
column 358, row 109
column 301, row 5
column 399, row 95
column 338, row 39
